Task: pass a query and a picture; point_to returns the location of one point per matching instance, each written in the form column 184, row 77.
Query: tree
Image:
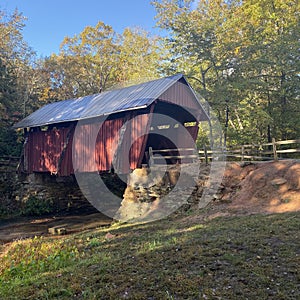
column 88, row 60
column 98, row 59
column 139, row 56
column 243, row 58
column 14, row 65
column 269, row 60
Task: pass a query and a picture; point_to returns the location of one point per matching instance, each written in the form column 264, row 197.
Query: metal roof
column 129, row 98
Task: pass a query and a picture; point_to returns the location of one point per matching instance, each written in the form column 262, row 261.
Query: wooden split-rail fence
column 251, row 152
column 8, row 163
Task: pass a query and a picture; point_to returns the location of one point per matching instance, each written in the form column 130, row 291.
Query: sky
column 49, row 21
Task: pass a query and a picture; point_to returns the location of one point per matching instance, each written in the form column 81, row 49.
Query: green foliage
column 98, row 59
column 15, row 98
column 243, row 55
column 36, row 207
column 94, row 242
column 9, row 112
column 36, row 256
column 4, row 211
column 10, row 144
column 203, row 137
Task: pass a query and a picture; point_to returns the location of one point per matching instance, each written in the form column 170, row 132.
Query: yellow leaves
column 98, row 57
column 47, row 94
column 266, row 17
column 237, row 50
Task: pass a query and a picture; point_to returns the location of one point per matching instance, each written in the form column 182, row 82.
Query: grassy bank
column 246, row 257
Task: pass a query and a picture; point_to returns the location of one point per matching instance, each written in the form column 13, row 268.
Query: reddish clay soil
column 272, row 187
column 255, row 188
column 247, row 188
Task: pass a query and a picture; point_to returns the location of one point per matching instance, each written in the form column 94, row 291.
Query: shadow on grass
column 254, row 257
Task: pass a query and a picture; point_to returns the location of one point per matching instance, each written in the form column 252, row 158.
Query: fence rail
column 9, row 159
column 179, row 154
column 8, row 164
column 267, row 151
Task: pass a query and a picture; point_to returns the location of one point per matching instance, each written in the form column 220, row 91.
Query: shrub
column 35, row 207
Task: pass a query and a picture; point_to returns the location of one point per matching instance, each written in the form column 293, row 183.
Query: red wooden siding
column 94, row 146
column 136, row 135
column 66, row 167
column 181, row 94
column 107, row 143
column 193, row 131
column 43, row 150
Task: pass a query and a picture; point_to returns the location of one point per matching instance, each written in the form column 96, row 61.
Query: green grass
column 247, row 257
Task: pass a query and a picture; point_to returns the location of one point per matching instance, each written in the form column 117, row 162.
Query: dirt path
column 27, row 227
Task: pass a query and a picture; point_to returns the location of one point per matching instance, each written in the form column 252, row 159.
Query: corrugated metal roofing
column 129, row 98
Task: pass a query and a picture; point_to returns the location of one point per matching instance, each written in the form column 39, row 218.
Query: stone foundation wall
column 38, row 194
column 9, row 185
column 61, row 193
column 42, row 193
column 157, row 193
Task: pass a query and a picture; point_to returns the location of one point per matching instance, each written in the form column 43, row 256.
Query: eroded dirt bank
column 271, row 187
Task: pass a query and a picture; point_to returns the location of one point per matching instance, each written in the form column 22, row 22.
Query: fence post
column 243, row 152
column 260, row 151
column 205, row 154
column 196, row 154
column 151, row 159
column 274, row 149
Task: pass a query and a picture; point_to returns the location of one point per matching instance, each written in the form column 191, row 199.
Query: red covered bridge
column 124, row 124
